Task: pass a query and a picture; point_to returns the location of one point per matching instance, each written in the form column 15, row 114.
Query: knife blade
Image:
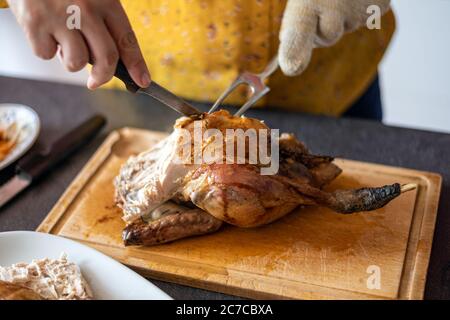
column 36, row 164
column 169, row 99
column 157, row 92
column 13, row 187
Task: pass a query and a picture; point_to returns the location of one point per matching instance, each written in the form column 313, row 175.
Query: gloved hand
column 308, row 24
column 105, row 36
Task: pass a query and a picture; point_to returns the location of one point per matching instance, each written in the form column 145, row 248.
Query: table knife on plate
column 37, row 163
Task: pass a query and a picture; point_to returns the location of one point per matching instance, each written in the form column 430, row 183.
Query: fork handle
column 271, row 68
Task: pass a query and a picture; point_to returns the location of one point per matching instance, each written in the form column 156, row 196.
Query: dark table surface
column 63, row 107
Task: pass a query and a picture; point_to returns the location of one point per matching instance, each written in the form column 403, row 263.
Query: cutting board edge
column 314, row 292
column 53, row 219
column 417, row 281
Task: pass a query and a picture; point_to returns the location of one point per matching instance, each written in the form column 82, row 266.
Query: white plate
column 29, row 126
column 109, row 279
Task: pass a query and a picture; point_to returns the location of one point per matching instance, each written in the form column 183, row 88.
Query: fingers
column 129, row 50
column 36, row 29
column 103, row 50
column 74, row 52
column 94, row 43
column 44, row 45
column 298, row 32
column 331, row 28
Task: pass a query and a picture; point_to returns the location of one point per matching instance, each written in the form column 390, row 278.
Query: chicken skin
column 164, row 199
column 10, row 291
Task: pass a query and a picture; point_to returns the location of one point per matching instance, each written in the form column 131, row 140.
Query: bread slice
column 51, row 279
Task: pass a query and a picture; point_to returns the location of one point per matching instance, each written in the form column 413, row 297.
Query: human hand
column 308, row 24
column 105, row 36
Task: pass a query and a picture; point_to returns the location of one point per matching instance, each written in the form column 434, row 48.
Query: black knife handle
column 38, row 163
column 122, row 74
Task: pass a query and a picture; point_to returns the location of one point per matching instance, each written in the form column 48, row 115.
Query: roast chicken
column 164, row 199
column 10, row 291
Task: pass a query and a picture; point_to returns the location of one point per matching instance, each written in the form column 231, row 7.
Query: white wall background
column 415, row 73
column 17, row 59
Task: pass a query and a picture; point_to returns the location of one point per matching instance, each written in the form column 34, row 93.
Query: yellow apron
column 196, row 48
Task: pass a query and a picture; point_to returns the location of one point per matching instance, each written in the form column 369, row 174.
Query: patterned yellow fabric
column 196, row 48
column 336, row 76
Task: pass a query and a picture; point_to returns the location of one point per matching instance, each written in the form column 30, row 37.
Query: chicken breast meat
column 44, row 279
column 164, row 199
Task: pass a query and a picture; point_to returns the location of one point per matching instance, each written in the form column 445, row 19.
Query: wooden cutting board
column 312, row 253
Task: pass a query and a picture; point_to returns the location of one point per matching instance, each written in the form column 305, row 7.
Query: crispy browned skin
column 296, row 162
column 239, row 195
column 9, row 291
column 349, row 201
column 185, row 223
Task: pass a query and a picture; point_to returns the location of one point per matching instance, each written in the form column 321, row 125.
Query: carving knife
column 37, row 163
column 157, row 92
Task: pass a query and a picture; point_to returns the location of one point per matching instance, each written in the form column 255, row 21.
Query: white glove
column 308, row 24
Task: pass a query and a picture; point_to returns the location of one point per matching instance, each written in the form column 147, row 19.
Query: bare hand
column 105, row 36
